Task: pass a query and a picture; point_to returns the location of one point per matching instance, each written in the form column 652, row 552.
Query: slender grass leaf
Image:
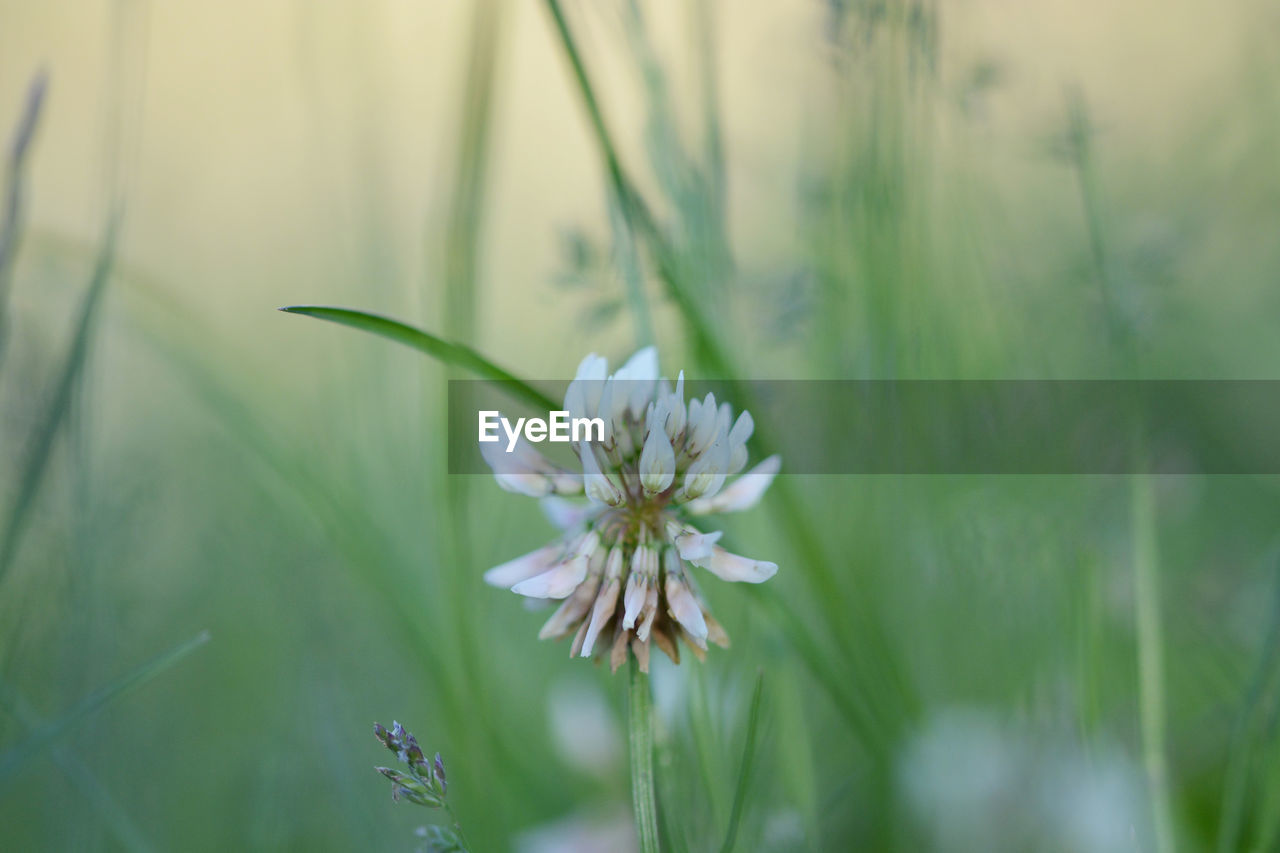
column 744, row 773
column 17, row 756
column 15, row 193
column 347, row 521
column 458, row 355
column 1242, row 751
column 40, row 446
column 877, row 661
column 463, row 237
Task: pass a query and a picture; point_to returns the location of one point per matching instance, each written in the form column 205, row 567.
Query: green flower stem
column 640, row 734
column 457, row 827
column 1151, row 700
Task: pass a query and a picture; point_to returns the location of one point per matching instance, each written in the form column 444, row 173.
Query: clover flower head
column 623, row 568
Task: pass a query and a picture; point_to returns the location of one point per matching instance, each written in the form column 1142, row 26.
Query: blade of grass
column 455, row 354
column 11, row 228
column 13, row 759
column 354, row 531
column 874, row 653
column 1150, row 638
column 462, row 240
column 744, row 772
column 707, row 750
column 707, row 55
column 461, row 278
column 345, row 519
column 41, row 445
column 852, row 705
column 1240, row 753
column 1142, row 501
column 794, row 751
column 634, row 210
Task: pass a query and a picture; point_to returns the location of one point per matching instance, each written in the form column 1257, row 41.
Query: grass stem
column 744, row 771
column 1150, row 658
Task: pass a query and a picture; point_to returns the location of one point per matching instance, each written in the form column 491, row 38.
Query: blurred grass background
column 868, row 188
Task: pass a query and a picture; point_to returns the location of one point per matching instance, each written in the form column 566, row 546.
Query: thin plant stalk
column 15, row 193
column 461, row 276
column 52, row 419
column 1150, row 658
column 744, row 771
column 456, row 825
column 1145, row 557
column 640, row 736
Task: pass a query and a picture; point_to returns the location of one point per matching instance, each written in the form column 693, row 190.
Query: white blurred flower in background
column 976, row 783
column 583, row 728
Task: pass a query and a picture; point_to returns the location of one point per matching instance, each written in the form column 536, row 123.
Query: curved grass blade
column 458, row 355
column 820, row 569
column 15, row 195
column 41, row 445
column 1244, row 749
column 744, row 772
column 13, row 759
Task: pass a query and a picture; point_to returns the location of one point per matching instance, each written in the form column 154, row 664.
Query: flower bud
column 598, row 486
column 657, row 460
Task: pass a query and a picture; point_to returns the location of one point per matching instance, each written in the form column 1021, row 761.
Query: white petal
column 557, row 582
column 605, row 412
column 647, row 613
column 633, row 598
column 694, row 545
column 582, row 397
column 521, row 568
column 733, row 567
column 574, row 401
column 613, row 402
column 599, row 487
column 639, row 374
column 684, row 607
column 676, row 416
column 743, row 493
column 593, row 367
column 567, row 515
column 529, row 485
column 589, row 545
column 606, row 603
column 703, row 429
column 526, row 471
column 742, row 429
column 706, row 475
column 657, row 460
column 643, row 365
column 613, row 566
column 570, row 611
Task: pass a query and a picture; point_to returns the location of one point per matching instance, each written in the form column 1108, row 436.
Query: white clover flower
column 623, row 569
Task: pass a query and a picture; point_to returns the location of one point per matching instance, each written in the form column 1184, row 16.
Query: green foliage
column 860, row 189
